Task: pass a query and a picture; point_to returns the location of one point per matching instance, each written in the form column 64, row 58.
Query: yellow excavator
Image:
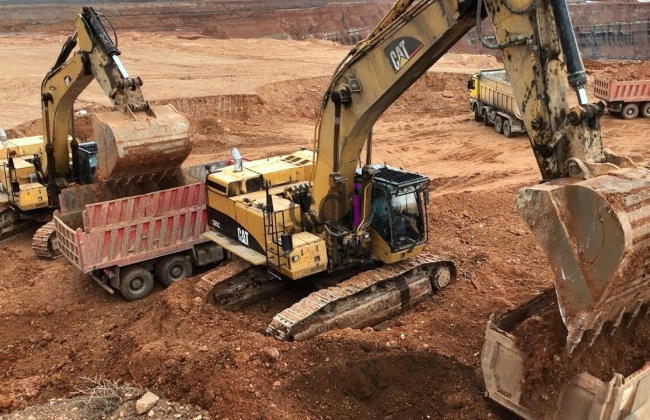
column 134, row 144
column 358, row 231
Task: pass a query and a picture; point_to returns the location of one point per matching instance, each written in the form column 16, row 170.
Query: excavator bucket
column 596, row 235
column 140, row 146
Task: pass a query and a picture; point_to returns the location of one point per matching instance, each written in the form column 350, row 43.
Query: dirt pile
column 548, row 367
column 618, row 70
column 194, row 353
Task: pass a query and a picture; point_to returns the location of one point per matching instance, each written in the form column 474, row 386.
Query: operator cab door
column 398, row 222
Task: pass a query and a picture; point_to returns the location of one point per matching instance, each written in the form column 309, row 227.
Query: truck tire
column 136, row 282
column 498, row 124
column 486, row 119
column 645, row 110
column 630, row 111
column 173, row 268
column 477, row 114
column 507, row 129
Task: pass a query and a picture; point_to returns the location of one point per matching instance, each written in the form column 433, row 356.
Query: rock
column 198, row 301
column 271, row 353
column 208, row 397
column 241, row 359
column 447, row 95
column 47, row 336
column 151, row 413
column 368, row 330
column 146, row 402
column 277, row 384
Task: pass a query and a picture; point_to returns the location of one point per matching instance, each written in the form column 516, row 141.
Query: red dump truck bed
column 628, row 99
column 622, row 91
column 129, row 230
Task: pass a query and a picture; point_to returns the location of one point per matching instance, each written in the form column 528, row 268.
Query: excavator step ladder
column 276, row 257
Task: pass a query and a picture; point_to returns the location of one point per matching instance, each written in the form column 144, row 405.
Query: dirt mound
column 618, row 70
column 338, row 21
column 387, row 385
column 548, row 367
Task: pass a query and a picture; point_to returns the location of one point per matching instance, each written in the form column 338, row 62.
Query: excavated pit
column 59, row 327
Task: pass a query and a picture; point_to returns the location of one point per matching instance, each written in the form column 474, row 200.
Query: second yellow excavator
column 358, row 232
column 135, row 144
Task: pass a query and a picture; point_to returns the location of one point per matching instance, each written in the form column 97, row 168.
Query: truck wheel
column 173, row 268
column 477, row 114
column 630, row 111
column 507, row 129
column 645, row 111
column 486, row 119
column 136, row 282
column 498, row 124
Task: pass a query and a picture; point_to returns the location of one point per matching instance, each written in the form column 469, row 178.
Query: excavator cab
column 398, row 207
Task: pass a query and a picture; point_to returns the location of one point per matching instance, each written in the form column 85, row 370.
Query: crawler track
column 10, row 222
column 364, row 299
column 45, row 243
column 361, row 300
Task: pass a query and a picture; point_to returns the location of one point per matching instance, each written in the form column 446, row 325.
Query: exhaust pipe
column 239, row 166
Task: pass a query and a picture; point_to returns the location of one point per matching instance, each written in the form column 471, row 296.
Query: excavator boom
column 135, row 141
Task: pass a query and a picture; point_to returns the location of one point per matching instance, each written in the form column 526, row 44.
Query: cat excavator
column 358, row 232
column 134, row 143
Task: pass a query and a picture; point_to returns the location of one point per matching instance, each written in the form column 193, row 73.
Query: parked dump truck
column 493, row 103
column 126, row 243
column 583, row 397
column 628, row 99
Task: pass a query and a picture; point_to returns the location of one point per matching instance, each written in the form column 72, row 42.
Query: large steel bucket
column 596, row 235
column 134, row 147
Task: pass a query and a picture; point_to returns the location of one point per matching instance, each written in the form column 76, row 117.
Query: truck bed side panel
column 129, row 230
column 497, row 93
column 619, row 91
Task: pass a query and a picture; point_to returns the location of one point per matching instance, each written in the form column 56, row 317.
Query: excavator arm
column 589, row 214
column 134, row 140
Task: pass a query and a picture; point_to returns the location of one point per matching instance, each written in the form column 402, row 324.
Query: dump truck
column 124, row 244
column 627, row 99
column 585, row 396
column 493, row 103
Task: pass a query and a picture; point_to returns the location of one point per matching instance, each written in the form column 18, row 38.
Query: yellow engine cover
column 32, row 196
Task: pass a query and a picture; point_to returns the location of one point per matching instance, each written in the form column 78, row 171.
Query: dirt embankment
column 338, row 21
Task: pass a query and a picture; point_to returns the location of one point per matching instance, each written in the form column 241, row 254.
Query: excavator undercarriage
column 363, row 296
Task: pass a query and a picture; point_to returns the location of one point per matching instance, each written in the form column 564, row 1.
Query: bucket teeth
column 617, row 321
column 573, row 339
column 570, row 347
column 593, row 334
column 634, row 314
